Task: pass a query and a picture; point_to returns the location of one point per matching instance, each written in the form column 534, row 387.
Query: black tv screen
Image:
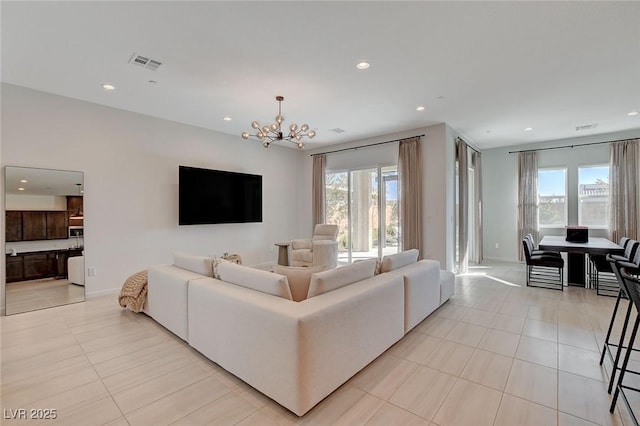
column 216, row 196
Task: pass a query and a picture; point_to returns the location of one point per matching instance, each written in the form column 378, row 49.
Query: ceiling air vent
column 337, row 130
column 586, row 127
column 142, row 61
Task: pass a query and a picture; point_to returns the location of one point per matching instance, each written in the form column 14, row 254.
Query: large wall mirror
column 44, row 238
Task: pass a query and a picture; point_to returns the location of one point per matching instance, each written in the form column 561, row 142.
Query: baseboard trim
column 503, row 259
column 94, row 294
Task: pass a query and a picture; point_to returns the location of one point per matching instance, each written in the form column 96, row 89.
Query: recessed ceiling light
column 420, row 108
column 632, row 113
column 528, row 129
column 23, row 181
column 440, row 97
column 107, row 86
column 20, row 189
column 487, row 131
column 363, row 65
column 227, row 118
column 153, row 82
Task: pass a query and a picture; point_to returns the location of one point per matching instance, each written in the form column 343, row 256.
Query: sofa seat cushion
column 299, row 278
column 198, row 264
column 323, row 282
column 255, row 279
column 398, row 260
column 302, row 255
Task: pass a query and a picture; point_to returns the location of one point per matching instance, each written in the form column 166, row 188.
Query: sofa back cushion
column 255, row 279
column 198, row 264
column 323, row 282
column 398, row 260
column 299, row 279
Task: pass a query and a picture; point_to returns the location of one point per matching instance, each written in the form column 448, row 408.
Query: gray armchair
column 320, row 249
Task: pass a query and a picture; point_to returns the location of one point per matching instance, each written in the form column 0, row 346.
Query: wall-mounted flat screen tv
column 216, row 196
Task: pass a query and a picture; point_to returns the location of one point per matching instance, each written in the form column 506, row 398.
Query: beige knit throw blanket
column 134, row 292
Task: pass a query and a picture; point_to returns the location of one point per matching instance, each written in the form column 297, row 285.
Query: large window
column 364, row 205
column 593, row 196
column 552, row 198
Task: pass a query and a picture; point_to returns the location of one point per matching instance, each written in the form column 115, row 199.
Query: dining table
column 576, row 253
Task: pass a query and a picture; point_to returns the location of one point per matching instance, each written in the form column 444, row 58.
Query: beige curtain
column 410, row 179
column 463, row 206
column 476, row 159
column 318, row 189
column 527, row 198
column 624, row 184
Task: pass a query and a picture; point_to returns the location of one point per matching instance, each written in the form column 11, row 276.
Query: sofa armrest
column 167, row 297
column 421, row 290
column 301, row 244
column 296, row 353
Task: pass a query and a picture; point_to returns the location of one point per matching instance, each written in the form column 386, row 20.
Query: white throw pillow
column 198, row 264
column 255, row 279
column 323, row 282
column 299, row 278
column 398, row 260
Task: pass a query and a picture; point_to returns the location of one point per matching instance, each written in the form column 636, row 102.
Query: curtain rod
column 365, row 146
column 572, row 146
column 465, row 142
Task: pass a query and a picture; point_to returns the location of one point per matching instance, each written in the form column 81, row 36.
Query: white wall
column 35, row 202
column 130, row 164
column 500, row 187
column 438, row 174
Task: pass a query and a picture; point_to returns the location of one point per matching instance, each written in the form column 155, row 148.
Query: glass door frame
column 381, row 201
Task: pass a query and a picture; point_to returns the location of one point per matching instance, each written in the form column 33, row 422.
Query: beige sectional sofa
column 296, row 353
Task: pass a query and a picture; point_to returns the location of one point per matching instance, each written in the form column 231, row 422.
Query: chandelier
column 271, row 133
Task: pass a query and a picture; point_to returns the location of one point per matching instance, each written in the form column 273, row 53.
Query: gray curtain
column 527, row 198
column 624, row 181
column 410, row 179
column 476, row 159
column 463, row 207
column 318, row 189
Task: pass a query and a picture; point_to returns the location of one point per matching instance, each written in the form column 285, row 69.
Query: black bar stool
column 616, row 266
column 632, row 287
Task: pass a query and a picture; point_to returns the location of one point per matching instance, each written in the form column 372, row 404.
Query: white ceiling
column 43, row 181
column 481, row 67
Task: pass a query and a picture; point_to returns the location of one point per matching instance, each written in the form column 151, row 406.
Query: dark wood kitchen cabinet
column 13, row 224
column 57, row 225
column 14, row 269
column 39, row 265
column 34, row 226
column 75, row 204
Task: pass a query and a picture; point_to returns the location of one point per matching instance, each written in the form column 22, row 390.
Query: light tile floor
column 496, row 354
column 26, row 296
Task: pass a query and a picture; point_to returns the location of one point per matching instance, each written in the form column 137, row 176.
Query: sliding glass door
column 354, row 200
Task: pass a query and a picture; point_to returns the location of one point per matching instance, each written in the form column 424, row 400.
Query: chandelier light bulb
column 272, row 132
